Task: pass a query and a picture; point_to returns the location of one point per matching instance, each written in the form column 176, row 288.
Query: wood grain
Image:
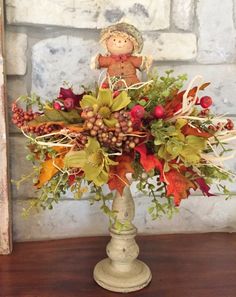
column 196, row 265
column 5, row 212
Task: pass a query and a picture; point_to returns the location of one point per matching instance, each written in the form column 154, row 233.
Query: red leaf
column 148, row 162
column 203, row 186
column 178, row 185
column 117, row 175
column 68, row 93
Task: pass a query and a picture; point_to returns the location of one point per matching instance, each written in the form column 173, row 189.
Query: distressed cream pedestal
column 122, row 271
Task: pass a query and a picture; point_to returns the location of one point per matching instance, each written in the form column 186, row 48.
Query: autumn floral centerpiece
column 168, row 139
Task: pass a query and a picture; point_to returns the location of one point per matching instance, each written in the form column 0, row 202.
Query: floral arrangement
column 168, row 139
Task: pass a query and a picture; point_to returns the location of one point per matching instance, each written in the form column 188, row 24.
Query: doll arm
column 146, row 63
column 142, row 62
column 100, row 61
column 103, row 61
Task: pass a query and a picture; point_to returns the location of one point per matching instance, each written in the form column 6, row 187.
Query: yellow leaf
column 48, row 170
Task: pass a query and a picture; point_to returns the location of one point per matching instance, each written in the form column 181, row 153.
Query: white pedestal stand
column 121, row 271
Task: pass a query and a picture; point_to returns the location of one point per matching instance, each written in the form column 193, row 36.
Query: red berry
column 69, row 103
column 159, row 111
column 205, row 102
column 57, row 105
column 137, row 111
column 229, row 125
column 105, row 85
column 116, row 93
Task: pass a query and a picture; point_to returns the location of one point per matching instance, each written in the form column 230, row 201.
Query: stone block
column 170, row 46
column 61, row 59
column 146, row 14
column 16, row 86
column 216, row 42
column 183, row 14
column 16, row 46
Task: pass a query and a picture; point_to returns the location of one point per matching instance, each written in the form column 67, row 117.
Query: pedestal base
column 135, row 278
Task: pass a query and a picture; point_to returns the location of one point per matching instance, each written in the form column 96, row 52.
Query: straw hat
column 123, row 29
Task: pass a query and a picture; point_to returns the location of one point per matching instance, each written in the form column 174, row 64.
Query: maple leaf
column 178, row 185
column 117, row 175
column 204, row 186
column 188, row 130
column 148, row 161
column 48, row 170
column 175, row 104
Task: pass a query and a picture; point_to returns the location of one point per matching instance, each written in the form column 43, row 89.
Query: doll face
column 119, row 45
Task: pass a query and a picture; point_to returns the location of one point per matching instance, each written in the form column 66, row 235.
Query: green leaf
column 72, row 116
column 104, row 97
column 121, row 101
column 163, row 154
column 174, row 147
column 101, row 179
column 158, row 141
column 110, row 122
column 88, row 101
column 193, row 148
column 53, row 115
column 91, row 171
column 75, row 159
column 92, row 145
column 198, row 143
column 180, row 123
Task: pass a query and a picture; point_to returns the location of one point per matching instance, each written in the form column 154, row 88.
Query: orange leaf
column 178, row 185
column 117, row 174
column 175, row 103
column 75, row 128
column 48, row 170
column 188, row 130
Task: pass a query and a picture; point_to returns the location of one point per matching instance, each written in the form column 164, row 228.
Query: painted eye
column 125, row 40
column 114, row 39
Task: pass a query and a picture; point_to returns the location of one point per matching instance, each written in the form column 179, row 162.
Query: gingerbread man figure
column 122, row 41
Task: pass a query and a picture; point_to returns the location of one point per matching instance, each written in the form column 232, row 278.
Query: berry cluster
column 93, row 122
column 121, row 135
column 20, row 117
column 81, row 140
column 42, row 129
column 111, row 137
column 228, row 126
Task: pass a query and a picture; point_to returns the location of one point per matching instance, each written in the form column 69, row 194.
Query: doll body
column 123, row 66
column 121, row 42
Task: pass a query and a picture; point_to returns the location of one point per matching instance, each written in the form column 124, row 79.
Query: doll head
column 121, row 39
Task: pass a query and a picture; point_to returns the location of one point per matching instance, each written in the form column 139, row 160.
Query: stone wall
column 51, row 41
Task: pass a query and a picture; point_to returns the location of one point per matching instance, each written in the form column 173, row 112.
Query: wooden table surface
column 193, row 265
